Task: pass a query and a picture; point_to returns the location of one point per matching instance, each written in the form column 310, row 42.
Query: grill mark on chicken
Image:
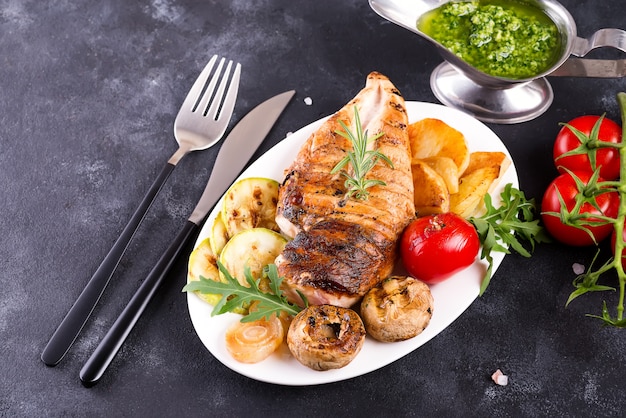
column 333, row 256
column 343, row 247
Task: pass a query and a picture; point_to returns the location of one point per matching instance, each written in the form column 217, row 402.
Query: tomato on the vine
column 565, row 186
column 578, row 146
column 434, row 247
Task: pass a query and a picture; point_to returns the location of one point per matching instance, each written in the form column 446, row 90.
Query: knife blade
column 591, row 68
column 242, row 142
column 234, row 154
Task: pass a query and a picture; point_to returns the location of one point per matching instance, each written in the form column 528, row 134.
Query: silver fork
column 200, row 123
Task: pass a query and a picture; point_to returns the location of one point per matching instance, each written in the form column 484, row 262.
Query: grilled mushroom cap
column 397, row 309
column 325, row 337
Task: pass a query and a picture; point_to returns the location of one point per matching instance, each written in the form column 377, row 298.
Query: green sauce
column 502, row 38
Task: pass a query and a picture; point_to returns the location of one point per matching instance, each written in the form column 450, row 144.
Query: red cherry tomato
column 435, row 247
column 586, row 141
column 565, row 185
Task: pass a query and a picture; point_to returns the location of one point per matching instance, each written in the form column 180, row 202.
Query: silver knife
column 234, row 154
column 591, row 68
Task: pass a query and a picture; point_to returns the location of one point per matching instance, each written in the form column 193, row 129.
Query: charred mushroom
column 325, row 337
column 397, row 309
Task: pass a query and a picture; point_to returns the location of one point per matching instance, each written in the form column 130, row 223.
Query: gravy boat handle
column 613, row 38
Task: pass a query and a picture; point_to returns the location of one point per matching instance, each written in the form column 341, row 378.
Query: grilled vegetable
column 434, row 138
column 219, row 235
column 203, row 263
column 477, row 180
column 251, row 342
column 324, row 337
column 250, row 203
column 397, row 309
column 254, row 249
column 431, row 193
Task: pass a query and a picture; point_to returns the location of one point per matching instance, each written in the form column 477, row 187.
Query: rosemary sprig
column 361, row 160
column 236, row 296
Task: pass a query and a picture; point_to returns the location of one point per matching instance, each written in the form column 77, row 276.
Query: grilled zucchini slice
column 202, row 262
column 254, row 248
column 250, row 203
column 219, row 235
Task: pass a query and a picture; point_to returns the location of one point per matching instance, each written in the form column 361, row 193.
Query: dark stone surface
column 89, row 93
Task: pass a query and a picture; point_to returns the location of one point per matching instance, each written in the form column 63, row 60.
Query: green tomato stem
column 621, row 214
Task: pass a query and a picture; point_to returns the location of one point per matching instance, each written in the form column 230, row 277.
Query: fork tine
column 231, row 95
column 203, row 102
column 216, row 103
column 198, row 86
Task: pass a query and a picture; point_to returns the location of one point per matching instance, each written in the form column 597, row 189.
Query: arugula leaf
column 235, row 295
column 508, row 227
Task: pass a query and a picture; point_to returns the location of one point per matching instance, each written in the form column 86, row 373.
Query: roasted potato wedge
column 447, row 169
column 472, row 189
column 482, row 159
column 479, row 179
column 446, row 176
column 431, row 193
column 432, row 137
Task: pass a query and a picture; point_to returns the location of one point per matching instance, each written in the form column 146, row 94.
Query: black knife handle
column 99, row 361
column 73, row 323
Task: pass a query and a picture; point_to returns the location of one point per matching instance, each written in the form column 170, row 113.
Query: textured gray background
column 88, row 94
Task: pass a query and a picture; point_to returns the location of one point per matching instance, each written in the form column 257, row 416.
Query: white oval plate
column 451, row 297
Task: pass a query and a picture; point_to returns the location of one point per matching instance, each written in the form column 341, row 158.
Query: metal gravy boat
column 502, row 100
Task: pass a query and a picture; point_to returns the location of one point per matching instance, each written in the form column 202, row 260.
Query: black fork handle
column 74, row 321
column 102, row 356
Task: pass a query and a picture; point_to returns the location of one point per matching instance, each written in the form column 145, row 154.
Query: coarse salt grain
column 308, row 101
column 499, row 378
column 578, row 268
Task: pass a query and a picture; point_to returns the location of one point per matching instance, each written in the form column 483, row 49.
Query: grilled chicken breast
column 344, row 247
